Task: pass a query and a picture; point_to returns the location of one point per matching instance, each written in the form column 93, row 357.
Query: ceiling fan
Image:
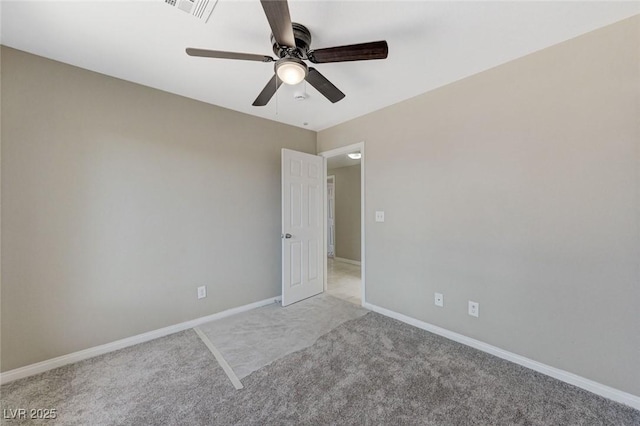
column 291, row 43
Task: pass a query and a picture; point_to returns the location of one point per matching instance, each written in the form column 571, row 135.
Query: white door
column 331, row 222
column 302, row 227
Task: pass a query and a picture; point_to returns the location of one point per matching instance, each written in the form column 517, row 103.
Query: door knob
column 287, row 235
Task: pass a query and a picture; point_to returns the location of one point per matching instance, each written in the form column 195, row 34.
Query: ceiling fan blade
column 269, row 90
column 277, row 12
column 228, row 55
column 352, row 52
column 324, row 86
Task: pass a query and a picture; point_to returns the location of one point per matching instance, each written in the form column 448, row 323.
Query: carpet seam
column 223, row 363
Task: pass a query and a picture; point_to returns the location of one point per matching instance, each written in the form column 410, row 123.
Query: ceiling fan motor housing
column 303, row 41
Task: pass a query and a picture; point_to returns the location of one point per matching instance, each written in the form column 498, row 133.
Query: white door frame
column 343, row 150
column 331, row 179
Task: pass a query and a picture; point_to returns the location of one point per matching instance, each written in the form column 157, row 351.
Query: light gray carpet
column 165, row 381
column 251, row 340
column 370, row 370
column 376, row 370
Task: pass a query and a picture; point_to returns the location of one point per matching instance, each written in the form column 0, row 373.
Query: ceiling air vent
column 201, row 9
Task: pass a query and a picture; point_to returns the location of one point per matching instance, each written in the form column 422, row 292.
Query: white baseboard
column 343, row 260
column 573, row 379
column 40, row 367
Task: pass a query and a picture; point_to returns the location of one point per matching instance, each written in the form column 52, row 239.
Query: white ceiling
column 430, row 44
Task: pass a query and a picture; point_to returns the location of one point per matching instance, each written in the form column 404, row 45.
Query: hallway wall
column 347, row 212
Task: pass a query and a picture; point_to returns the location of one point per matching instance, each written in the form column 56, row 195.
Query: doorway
column 344, row 223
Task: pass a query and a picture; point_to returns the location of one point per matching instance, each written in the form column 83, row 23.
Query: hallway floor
column 344, row 281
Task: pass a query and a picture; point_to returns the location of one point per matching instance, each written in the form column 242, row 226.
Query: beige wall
column 518, row 188
column 347, row 211
column 119, row 200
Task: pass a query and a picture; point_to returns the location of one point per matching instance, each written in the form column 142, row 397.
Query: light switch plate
column 379, row 216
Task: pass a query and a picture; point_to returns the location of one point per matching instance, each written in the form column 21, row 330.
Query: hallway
column 344, row 281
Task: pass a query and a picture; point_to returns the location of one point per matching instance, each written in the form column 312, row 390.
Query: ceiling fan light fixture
column 291, row 70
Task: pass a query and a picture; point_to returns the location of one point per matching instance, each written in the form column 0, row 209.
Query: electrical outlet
column 379, row 216
column 474, row 309
column 438, row 299
column 202, row 292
